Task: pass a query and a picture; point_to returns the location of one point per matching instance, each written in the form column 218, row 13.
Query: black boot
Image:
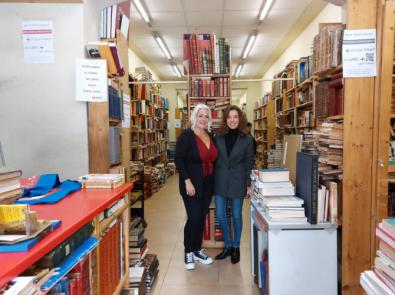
column 225, row 253
column 235, row 255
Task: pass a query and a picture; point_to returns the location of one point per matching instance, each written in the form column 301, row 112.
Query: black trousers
column 197, row 207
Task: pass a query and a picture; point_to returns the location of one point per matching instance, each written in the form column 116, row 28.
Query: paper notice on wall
column 126, row 111
column 359, row 53
column 91, row 80
column 177, row 123
column 38, row 42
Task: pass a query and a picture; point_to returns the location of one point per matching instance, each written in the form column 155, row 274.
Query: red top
column 74, row 211
column 207, row 155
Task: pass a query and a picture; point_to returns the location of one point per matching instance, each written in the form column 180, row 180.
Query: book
column 389, row 226
column 102, row 180
column 307, row 183
column 7, row 172
column 274, row 175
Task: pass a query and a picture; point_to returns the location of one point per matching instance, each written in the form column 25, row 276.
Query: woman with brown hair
column 232, row 173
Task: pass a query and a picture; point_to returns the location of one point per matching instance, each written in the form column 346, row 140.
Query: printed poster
column 91, row 80
column 359, row 53
column 38, row 42
column 126, row 111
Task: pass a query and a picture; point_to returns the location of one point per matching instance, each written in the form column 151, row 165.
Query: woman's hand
column 249, row 191
column 189, row 188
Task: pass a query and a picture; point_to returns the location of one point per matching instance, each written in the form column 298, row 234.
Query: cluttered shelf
column 74, row 212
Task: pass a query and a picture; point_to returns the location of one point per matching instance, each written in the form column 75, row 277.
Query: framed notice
column 91, row 80
column 126, row 111
column 359, row 53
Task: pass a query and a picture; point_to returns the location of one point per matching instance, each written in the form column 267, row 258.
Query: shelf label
column 359, row 53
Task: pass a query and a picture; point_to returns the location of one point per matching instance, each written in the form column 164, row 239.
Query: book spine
column 314, row 192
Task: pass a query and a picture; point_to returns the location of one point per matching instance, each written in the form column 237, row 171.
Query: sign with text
column 126, row 111
column 359, row 53
column 91, row 80
column 37, row 39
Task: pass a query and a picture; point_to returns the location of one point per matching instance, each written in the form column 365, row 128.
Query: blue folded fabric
column 47, row 182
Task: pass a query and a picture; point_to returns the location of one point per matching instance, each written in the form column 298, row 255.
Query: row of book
column 274, row 155
column 115, row 18
column 111, row 266
column 305, row 118
column 209, row 87
column 381, row 279
column 329, row 96
column 109, row 52
column 206, row 54
column 10, row 187
column 327, row 48
column 212, row 227
column 115, row 104
column 262, row 101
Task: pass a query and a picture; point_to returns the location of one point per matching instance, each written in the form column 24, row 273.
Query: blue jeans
column 237, row 207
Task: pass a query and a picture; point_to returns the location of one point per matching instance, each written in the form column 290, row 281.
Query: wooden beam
column 383, row 96
column 42, row 1
column 358, row 151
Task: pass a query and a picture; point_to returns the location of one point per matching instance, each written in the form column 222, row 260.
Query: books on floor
column 381, row 279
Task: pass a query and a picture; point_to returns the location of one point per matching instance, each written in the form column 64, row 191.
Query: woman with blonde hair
column 195, row 156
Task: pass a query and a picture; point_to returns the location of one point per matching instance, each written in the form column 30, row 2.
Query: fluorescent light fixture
column 265, row 9
column 143, row 12
column 248, row 47
column 176, row 70
column 162, row 45
column 238, row 70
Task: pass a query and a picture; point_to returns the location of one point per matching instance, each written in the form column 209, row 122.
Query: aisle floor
column 165, row 215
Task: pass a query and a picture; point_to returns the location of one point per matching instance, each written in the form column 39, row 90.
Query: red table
column 74, row 211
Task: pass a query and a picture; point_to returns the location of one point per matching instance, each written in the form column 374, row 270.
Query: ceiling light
column 265, row 9
column 143, row 12
column 248, row 47
column 162, row 45
column 176, row 70
column 238, row 70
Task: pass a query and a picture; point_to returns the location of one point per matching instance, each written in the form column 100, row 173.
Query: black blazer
column 188, row 162
column 232, row 173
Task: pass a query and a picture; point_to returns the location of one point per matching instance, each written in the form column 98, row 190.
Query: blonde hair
column 195, row 113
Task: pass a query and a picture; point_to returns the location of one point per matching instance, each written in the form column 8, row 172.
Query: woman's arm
column 250, row 159
column 182, row 147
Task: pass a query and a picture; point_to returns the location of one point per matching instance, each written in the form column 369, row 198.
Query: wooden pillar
column 358, row 152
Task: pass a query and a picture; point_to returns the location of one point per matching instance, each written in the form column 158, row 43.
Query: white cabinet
column 299, row 259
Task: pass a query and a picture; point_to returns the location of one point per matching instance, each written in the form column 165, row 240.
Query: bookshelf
column 294, row 99
column 102, row 125
column 264, row 127
column 207, row 65
column 75, row 212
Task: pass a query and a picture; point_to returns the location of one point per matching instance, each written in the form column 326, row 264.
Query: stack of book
column 10, row 187
column 110, row 181
column 381, row 280
column 138, row 246
column 137, row 278
column 153, row 179
column 310, row 142
column 274, row 191
column 274, row 156
column 151, row 265
column 330, row 150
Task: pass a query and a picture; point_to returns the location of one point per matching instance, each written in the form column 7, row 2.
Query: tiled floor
column 165, row 215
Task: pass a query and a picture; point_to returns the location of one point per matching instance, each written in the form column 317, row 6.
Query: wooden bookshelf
column 99, row 123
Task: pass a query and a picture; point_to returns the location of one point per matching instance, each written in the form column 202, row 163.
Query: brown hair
column 224, row 129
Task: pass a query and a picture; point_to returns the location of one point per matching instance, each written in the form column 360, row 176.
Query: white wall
column 42, row 128
column 303, row 44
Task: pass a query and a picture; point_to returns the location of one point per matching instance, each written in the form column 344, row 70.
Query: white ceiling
column 233, row 19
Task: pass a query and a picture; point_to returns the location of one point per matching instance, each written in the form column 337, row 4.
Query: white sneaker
column 202, row 257
column 189, row 261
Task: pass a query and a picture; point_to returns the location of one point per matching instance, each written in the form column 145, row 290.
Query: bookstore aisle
column 165, row 215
